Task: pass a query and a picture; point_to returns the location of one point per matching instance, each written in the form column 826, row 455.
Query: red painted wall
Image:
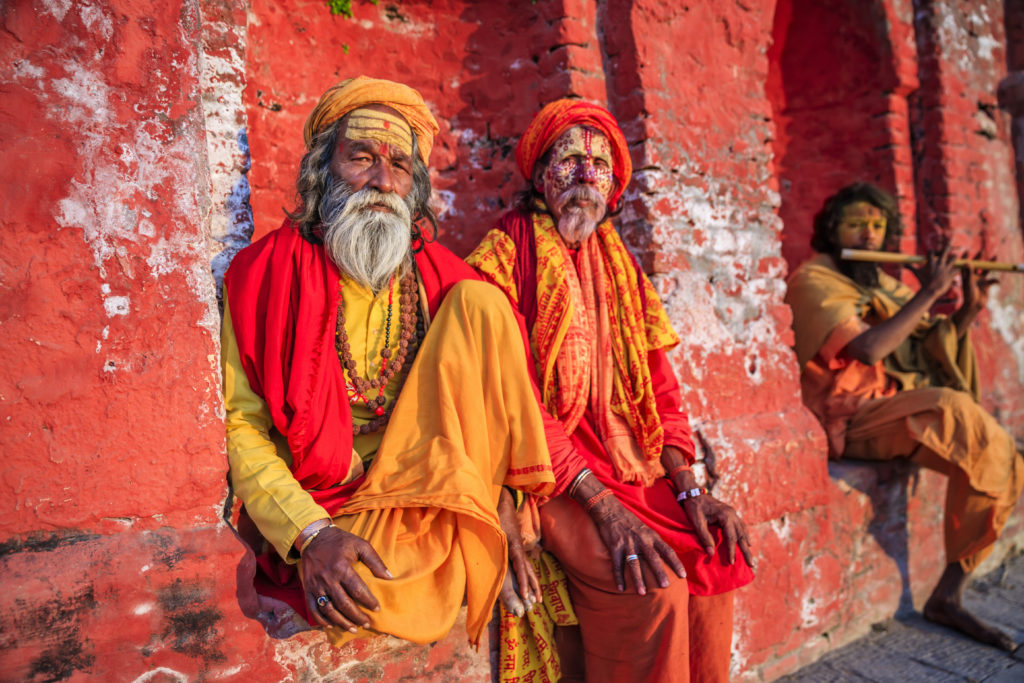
column 135, row 139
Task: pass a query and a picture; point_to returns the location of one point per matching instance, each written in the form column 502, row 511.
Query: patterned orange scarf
column 592, row 336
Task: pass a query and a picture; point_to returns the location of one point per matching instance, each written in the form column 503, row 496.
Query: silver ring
column 322, row 601
column 632, row 558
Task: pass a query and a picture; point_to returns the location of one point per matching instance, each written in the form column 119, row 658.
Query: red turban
column 558, row 117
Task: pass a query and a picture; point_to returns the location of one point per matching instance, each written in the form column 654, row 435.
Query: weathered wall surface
column 114, row 559
column 137, row 137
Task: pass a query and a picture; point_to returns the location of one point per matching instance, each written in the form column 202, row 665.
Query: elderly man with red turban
column 599, row 336
column 377, row 393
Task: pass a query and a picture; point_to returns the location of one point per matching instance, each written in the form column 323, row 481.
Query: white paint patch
column 1008, row 322
column 161, row 672
column 143, row 608
column 117, row 305
column 56, row 8
column 443, row 203
column 97, row 22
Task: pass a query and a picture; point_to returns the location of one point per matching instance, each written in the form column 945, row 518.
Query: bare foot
column 956, row 616
column 946, row 607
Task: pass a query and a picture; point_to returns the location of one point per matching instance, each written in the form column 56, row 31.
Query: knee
column 474, row 293
column 480, row 301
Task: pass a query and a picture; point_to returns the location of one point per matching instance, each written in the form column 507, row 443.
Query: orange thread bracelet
column 596, row 498
column 677, row 469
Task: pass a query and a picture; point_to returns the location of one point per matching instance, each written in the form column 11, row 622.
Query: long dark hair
column 826, row 221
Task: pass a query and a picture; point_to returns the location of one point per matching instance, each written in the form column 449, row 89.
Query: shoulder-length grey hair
column 313, row 182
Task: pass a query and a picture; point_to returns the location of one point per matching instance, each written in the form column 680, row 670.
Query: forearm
column 677, row 469
column 963, row 318
column 260, row 475
column 874, row 344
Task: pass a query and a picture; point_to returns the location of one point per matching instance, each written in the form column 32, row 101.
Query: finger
column 509, row 598
column 355, row 588
column 314, row 611
column 653, row 559
column 343, row 598
column 670, row 558
column 523, row 578
column 339, row 610
column 534, row 583
column 635, row 571
column 372, row 560
column 700, row 526
column 747, row 554
column 617, row 562
column 730, row 536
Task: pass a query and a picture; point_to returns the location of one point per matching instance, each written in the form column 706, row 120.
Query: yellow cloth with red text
column 527, row 649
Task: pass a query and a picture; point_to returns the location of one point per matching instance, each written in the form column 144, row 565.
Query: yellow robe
column 466, row 422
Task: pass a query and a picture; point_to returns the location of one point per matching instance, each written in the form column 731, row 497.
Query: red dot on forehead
column 588, row 136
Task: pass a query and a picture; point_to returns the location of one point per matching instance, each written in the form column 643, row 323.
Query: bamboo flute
column 894, row 257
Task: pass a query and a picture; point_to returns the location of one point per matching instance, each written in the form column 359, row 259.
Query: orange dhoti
column 948, row 431
column 466, row 422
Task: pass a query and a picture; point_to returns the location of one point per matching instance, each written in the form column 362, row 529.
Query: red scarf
column 283, row 295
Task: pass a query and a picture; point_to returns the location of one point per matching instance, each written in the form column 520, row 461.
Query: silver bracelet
column 576, row 482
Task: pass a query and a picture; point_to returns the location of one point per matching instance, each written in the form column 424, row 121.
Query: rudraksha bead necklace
column 357, row 386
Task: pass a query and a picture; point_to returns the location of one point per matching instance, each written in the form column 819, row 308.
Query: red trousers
column 667, row 636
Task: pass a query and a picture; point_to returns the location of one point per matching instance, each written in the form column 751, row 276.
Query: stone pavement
column 912, row 649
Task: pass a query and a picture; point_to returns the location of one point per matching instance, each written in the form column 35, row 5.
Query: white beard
column 368, row 244
column 577, row 223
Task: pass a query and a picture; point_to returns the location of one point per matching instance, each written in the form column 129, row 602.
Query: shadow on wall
column 829, row 78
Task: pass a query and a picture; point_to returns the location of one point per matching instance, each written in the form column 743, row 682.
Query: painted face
column 861, row 227
column 579, row 155
column 375, row 151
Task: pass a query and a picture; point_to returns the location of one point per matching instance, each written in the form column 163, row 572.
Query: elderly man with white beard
column 599, row 336
column 377, row 393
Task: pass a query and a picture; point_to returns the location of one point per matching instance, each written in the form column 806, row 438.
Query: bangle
column 576, row 482
column 309, row 539
column 596, row 498
column 691, row 493
column 677, row 469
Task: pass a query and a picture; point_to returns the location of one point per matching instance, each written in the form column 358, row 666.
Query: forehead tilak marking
column 383, row 127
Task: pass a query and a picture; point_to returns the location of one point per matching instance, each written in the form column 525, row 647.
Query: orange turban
column 361, row 91
column 558, row 117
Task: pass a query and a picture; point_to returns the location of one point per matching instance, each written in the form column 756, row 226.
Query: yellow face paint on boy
column 383, row 127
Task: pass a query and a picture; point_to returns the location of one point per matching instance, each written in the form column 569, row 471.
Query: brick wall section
column 966, row 184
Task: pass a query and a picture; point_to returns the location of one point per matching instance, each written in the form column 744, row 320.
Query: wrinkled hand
column 624, row 535
column 328, row 568
column 529, row 586
column 704, row 511
column 937, row 273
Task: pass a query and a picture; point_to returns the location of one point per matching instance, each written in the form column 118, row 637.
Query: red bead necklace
column 358, row 387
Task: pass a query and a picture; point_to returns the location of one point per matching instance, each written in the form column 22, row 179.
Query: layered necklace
column 408, row 342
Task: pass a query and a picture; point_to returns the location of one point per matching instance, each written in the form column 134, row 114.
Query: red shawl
column 283, row 295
